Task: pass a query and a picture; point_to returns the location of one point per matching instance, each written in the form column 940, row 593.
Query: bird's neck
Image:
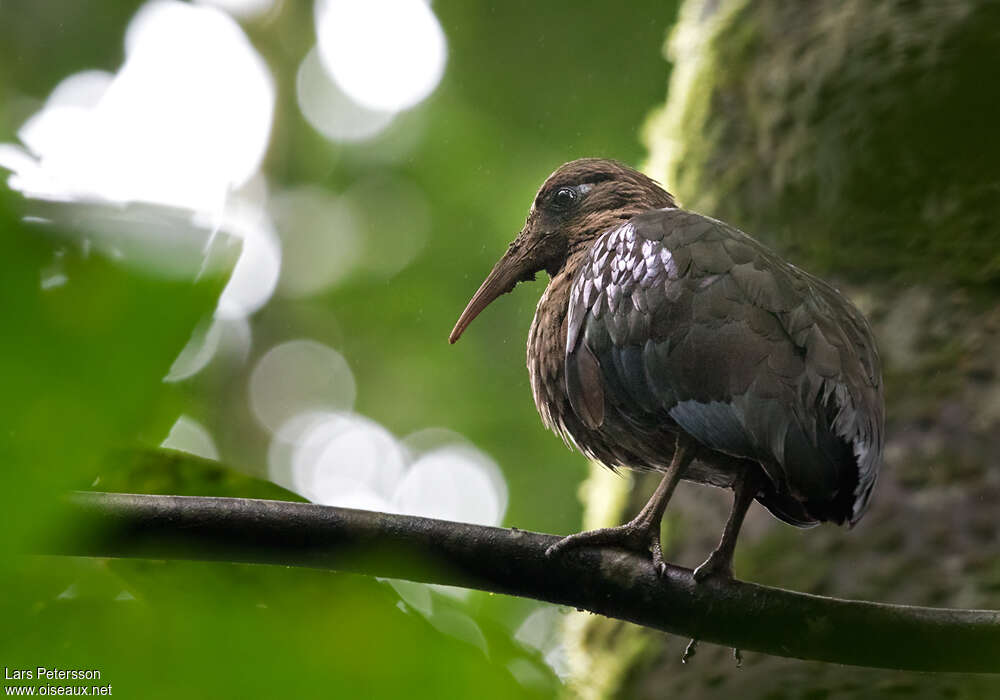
column 576, row 259
column 590, row 229
column 555, row 299
column 547, row 345
column 573, row 259
column 547, row 337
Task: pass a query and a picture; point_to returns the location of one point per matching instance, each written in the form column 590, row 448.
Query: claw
column 716, row 566
column 641, row 538
column 690, row 651
column 642, row 533
column 656, row 550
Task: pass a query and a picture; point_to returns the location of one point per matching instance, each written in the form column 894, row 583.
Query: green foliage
column 82, row 360
column 169, row 629
column 527, row 87
column 181, row 474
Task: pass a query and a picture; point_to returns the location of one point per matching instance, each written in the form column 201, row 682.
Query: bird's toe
column 590, row 538
column 656, row 551
column 714, row 567
column 633, row 537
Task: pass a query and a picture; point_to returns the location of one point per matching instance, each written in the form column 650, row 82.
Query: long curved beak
column 513, row 267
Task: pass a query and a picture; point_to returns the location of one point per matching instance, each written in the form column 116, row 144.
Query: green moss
column 854, row 136
column 595, row 673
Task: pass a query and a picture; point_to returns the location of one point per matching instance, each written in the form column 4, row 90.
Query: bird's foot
column 719, row 565
column 640, row 536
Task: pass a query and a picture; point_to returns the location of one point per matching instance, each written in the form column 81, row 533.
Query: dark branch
column 611, row 583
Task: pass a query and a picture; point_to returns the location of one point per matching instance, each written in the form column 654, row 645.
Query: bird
column 670, row 341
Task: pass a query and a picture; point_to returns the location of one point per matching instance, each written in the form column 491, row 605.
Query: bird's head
column 576, row 204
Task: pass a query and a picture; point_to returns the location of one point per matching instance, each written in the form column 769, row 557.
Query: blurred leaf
column 526, row 87
column 181, row 474
column 89, row 342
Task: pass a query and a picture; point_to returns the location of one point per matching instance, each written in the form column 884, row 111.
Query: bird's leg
column 642, row 533
column 720, row 561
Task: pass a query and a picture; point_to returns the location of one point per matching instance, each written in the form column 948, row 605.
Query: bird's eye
column 564, row 197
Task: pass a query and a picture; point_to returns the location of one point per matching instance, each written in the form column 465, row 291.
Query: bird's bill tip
column 504, row 276
column 482, row 298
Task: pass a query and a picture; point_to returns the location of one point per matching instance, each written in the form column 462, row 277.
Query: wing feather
column 679, row 317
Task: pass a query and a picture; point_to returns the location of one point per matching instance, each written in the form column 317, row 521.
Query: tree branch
column 609, row 582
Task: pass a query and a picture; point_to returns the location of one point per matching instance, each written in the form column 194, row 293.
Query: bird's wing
column 676, row 315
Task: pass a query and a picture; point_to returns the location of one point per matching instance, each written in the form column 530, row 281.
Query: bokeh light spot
column 256, row 274
column 428, row 439
column 385, row 54
column 242, row 9
column 148, row 163
column 347, row 459
column 188, row 435
column 211, row 337
column 197, row 353
column 331, row 112
column 454, row 483
column 541, row 630
column 460, row 626
column 178, row 128
column 320, row 240
column 296, row 377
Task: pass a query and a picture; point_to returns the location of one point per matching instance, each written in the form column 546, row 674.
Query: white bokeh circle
column 297, row 377
column 385, row 54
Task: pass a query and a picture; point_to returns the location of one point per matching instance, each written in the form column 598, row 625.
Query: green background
column 527, row 87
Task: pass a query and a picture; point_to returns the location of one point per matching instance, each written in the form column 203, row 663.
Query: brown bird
column 670, row 341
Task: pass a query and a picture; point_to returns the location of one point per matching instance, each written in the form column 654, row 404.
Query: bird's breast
column 547, row 355
column 622, row 439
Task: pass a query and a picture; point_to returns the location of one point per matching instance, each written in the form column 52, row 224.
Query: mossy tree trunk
column 861, row 140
